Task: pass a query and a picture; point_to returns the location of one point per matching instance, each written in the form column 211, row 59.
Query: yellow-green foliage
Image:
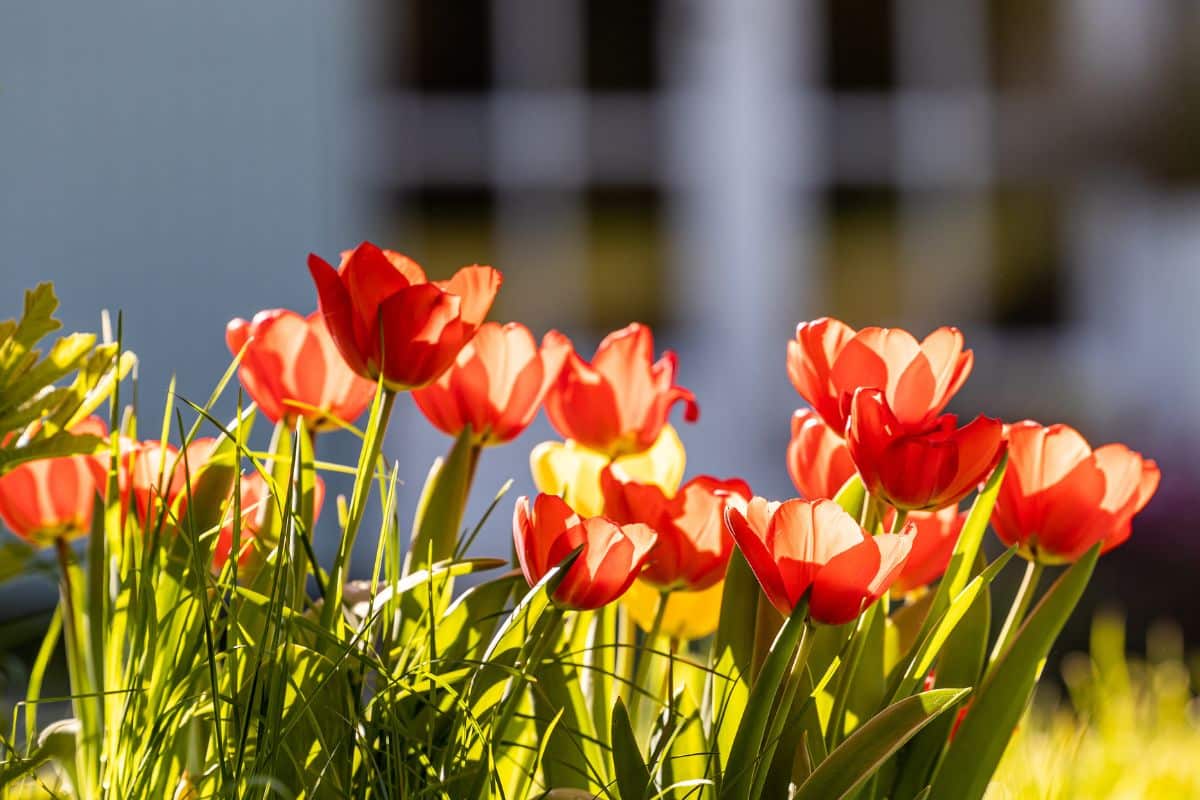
column 1130, row 730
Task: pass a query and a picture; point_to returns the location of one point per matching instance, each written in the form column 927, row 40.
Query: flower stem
column 1016, row 614
column 372, row 445
column 783, row 712
column 639, row 688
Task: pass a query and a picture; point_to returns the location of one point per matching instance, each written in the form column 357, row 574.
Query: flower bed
column 650, row 637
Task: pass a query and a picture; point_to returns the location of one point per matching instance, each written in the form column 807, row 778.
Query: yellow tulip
column 573, row 472
column 689, row 615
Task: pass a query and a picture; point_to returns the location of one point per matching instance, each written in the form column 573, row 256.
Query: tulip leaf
column 440, row 509
column 872, row 744
column 851, row 496
column 633, row 776
column 733, row 649
column 747, row 747
column 962, row 560
column 927, row 649
column 998, row 704
column 958, row 666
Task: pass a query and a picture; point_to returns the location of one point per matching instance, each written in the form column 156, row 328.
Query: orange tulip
column 828, row 361
column 611, row 559
column 693, row 546
column 817, row 457
column 1059, row 497
column 291, row 368
column 159, row 474
column 933, row 544
column 53, row 498
column 619, row 403
column 808, row 548
column 496, row 384
column 388, row 319
column 922, row 470
column 255, row 498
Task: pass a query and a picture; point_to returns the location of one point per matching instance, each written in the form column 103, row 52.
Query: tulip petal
column 477, row 286
column 751, row 540
column 334, row 302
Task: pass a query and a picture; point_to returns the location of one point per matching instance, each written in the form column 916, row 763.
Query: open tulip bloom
column 618, row 404
column 644, row 637
column 814, row 549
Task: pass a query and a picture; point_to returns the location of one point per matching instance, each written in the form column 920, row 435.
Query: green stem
column 901, row 518
column 783, row 711
column 870, row 514
column 376, row 430
column 1020, row 605
column 81, row 689
column 837, row 722
column 644, row 658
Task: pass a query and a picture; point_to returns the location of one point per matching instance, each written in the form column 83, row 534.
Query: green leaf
column 1000, row 701
column 440, row 509
column 928, row 649
column 633, row 776
column 62, row 444
column 872, row 744
column 747, row 744
column 852, row 496
column 733, row 649
column 958, row 572
column 959, row 665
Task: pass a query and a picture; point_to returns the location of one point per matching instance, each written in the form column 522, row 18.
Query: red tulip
column 254, row 504
column 828, row 361
column 923, row 470
column 160, row 473
column 53, row 498
column 496, row 384
column 612, row 556
column 818, row 459
column 693, row 546
column 388, row 319
column 619, row 403
column 933, row 544
column 291, row 368
column 1059, row 497
column 814, row 548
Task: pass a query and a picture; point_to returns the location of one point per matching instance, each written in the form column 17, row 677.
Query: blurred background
column 1028, row 171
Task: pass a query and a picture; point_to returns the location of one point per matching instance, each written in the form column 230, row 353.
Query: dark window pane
column 452, row 42
column 621, row 39
column 1027, row 267
column 859, row 49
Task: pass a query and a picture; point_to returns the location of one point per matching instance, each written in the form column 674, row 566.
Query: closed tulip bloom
column 1059, row 497
column 693, row 545
column 935, row 535
column 291, row 368
column 53, row 498
column 388, row 319
column 496, row 384
column 814, row 548
column 160, row 473
column 255, row 497
column 610, row 561
column 618, row 404
column 923, row 470
column 828, row 361
column 817, row 458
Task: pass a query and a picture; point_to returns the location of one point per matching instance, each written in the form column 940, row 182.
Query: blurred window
column 621, row 45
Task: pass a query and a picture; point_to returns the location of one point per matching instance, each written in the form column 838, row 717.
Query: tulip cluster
column 614, row 537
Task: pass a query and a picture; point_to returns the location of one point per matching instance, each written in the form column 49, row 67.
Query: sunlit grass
column 1129, row 728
